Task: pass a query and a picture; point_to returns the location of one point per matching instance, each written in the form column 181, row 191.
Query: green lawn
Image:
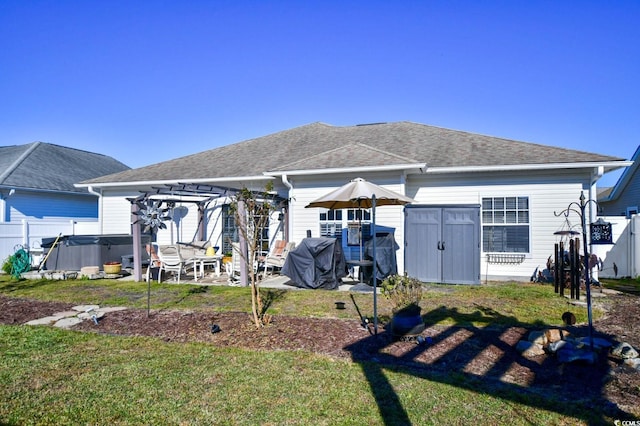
column 52, row 376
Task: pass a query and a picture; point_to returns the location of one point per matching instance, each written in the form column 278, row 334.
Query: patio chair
column 170, row 261
column 154, row 260
column 278, row 255
column 193, row 249
column 234, row 267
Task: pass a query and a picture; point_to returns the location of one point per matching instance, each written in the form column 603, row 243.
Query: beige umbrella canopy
column 362, row 194
column 359, row 194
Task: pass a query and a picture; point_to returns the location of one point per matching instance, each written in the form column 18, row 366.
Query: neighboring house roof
column 624, row 180
column 320, row 146
column 49, row 167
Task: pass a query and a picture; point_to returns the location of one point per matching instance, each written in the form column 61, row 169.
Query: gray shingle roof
column 44, row 166
column 321, row 146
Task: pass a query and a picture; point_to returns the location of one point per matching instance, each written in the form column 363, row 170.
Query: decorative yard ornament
column 601, row 232
column 152, row 215
column 579, row 208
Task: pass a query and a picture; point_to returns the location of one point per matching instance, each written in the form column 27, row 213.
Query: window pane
column 498, row 217
column 523, row 217
column 498, row 203
column 509, row 239
column 517, row 239
column 487, row 204
column 511, row 216
column 523, row 203
column 511, row 203
column 487, row 217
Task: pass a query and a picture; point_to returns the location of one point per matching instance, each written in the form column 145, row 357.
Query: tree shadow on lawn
column 484, row 359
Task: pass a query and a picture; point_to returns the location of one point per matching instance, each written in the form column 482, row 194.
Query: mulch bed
column 487, row 354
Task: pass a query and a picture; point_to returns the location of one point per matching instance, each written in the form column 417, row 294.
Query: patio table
column 361, row 264
column 203, row 260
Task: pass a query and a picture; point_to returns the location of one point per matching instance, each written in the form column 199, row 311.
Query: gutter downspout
column 633, row 240
column 288, row 217
column 100, row 207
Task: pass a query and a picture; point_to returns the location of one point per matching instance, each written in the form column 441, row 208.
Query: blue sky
column 147, row 81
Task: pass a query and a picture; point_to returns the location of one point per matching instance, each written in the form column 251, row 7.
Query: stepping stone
column 90, row 315
column 44, row 321
column 67, row 322
column 108, row 309
column 85, row 308
column 65, row 314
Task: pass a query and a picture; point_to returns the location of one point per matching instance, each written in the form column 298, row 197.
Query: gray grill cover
column 386, row 248
column 316, row 263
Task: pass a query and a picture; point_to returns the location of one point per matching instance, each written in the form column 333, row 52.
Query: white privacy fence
column 622, row 259
column 29, row 233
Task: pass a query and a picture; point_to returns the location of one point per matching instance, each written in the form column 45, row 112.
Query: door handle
column 440, row 245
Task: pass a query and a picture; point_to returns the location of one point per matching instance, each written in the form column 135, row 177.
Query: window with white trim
column 505, row 224
column 330, row 223
column 355, row 215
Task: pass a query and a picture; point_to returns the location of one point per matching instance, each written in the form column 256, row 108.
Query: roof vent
column 370, row 124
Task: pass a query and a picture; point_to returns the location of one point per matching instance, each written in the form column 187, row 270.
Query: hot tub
column 73, row 252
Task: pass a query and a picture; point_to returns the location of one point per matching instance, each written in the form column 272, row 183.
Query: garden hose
column 20, row 262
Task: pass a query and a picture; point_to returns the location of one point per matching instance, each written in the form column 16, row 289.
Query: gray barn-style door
column 442, row 243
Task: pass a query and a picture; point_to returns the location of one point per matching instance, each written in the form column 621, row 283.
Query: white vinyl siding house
column 434, row 166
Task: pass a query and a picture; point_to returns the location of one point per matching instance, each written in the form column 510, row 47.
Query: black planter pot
column 407, row 321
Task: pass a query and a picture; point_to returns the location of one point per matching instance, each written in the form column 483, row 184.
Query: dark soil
column 486, row 357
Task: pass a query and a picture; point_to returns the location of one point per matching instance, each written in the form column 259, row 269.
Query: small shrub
column 402, row 290
column 7, row 265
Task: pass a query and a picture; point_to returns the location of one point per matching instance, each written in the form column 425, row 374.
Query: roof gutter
column 172, row 181
column 605, row 166
column 420, row 167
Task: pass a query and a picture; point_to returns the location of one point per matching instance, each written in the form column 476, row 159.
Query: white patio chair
column 233, row 267
column 278, row 255
column 170, row 261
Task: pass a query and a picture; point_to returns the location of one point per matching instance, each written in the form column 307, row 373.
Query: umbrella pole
column 360, row 232
column 375, row 278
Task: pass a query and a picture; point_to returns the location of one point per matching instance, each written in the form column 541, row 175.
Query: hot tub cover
column 316, row 263
column 83, row 240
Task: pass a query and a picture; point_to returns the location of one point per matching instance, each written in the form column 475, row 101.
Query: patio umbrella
column 360, row 193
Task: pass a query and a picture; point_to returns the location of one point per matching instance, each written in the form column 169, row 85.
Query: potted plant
column 112, row 267
column 405, row 294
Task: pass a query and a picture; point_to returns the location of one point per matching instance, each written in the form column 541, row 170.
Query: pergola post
column 137, row 243
column 244, row 261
